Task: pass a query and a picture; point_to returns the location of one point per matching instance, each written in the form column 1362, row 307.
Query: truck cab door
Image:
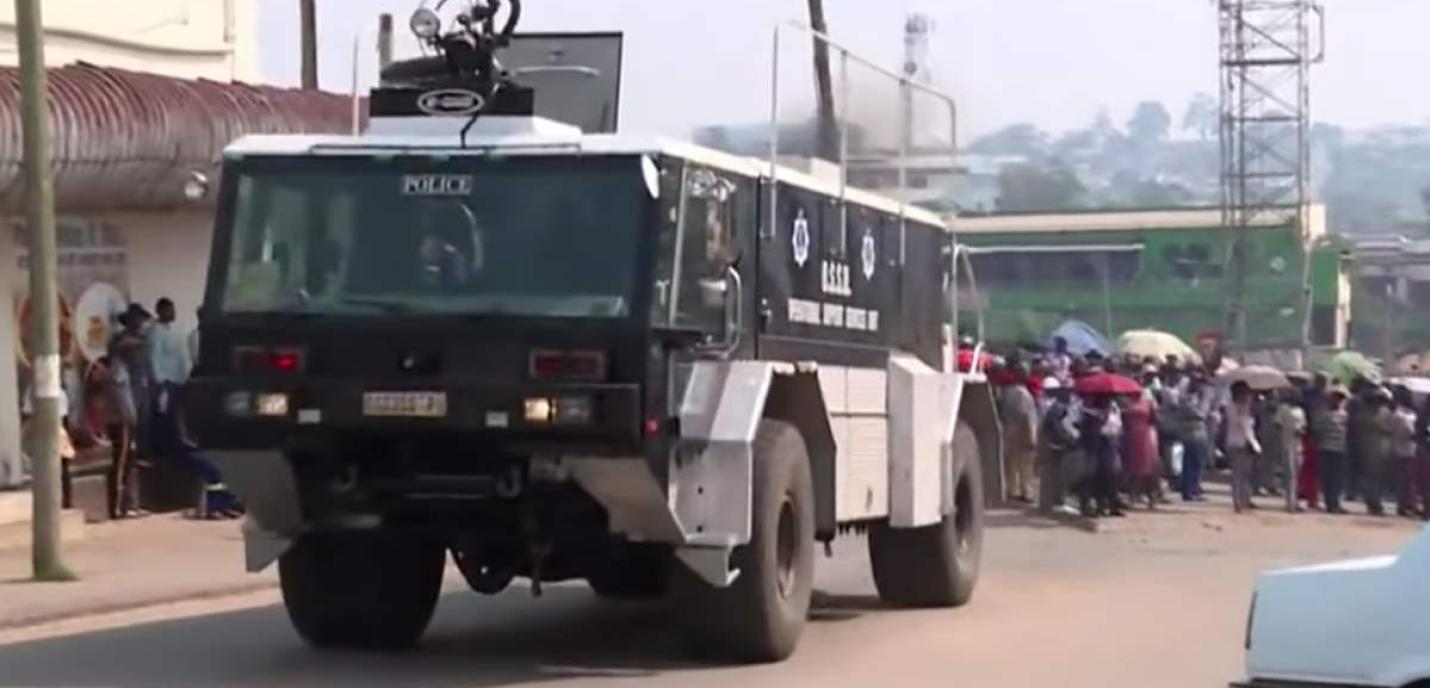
column 707, row 250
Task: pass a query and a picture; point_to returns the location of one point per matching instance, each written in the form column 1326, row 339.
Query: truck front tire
column 760, row 617
column 370, row 589
column 937, row 565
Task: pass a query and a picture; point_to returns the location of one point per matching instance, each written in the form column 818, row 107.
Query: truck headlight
column 274, row 404
column 537, row 410
column 567, row 410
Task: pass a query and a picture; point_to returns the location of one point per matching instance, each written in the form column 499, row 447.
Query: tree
column 1151, row 193
column 1150, row 122
column 1103, row 125
column 1015, row 139
column 1029, row 188
column 1076, row 141
column 1327, row 137
column 1202, row 116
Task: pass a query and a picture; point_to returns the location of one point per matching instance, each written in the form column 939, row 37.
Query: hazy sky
column 1051, row 62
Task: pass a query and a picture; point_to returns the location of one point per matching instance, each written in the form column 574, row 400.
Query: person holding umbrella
column 1376, row 448
column 1101, row 430
column 1331, row 430
column 1101, row 433
column 1241, row 444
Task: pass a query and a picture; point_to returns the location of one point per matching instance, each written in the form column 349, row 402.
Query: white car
column 1362, row 622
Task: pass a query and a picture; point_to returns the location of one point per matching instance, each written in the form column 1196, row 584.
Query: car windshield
column 533, row 236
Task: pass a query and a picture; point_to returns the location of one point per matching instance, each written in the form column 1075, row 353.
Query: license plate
column 405, row 404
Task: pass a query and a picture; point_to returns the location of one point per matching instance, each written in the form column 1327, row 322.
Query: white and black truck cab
column 558, row 354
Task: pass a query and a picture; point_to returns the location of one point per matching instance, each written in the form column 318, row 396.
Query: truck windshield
column 532, row 236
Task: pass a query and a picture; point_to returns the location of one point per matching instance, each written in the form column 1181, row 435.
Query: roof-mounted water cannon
column 464, row 78
column 469, row 47
column 475, row 66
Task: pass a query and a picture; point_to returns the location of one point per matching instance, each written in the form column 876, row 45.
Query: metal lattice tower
column 1266, row 55
column 918, row 28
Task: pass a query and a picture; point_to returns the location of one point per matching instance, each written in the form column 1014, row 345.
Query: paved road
column 1159, row 600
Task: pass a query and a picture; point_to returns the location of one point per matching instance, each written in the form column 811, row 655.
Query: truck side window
column 667, row 224
column 707, row 248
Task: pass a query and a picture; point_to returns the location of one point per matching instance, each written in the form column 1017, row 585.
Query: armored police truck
column 560, row 354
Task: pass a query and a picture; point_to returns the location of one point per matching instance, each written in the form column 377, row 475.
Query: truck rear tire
column 936, row 565
column 760, row 617
column 371, row 589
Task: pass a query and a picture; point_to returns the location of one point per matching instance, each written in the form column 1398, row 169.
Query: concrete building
column 1392, row 274
column 191, row 39
column 144, row 95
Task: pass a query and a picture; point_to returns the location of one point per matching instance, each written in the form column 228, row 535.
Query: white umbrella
column 1258, row 377
column 1155, row 344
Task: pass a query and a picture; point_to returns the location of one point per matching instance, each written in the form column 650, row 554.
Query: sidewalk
column 130, row 564
column 1216, row 514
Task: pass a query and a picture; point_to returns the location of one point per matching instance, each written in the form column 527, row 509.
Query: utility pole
column 827, row 128
column 308, row 30
column 44, row 338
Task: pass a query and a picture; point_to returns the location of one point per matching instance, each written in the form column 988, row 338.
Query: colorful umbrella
column 1107, row 383
column 1348, row 365
column 1082, row 339
column 1155, row 344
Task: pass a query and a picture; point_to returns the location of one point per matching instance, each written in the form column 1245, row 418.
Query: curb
column 45, row 618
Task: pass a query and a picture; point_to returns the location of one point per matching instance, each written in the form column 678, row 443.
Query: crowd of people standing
column 1077, row 446
column 143, row 374
column 130, row 397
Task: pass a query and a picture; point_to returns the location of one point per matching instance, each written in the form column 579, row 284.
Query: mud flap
column 265, row 482
column 704, row 507
column 918, row 403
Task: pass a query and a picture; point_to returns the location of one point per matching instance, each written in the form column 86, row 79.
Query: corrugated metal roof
column 127, row 140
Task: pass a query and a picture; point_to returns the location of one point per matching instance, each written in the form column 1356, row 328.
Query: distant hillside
column 1373, row 181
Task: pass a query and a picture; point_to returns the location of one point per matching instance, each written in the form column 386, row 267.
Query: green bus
column 1160, row 269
